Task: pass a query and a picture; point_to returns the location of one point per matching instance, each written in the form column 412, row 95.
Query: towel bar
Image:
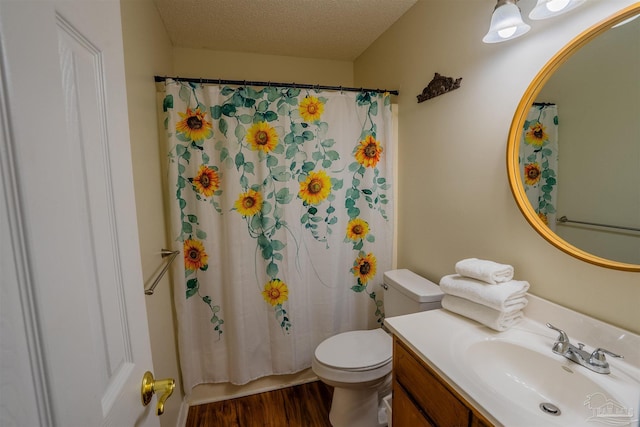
column 564, row 219
column 165, row 253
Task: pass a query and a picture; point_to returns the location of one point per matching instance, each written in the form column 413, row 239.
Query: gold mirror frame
column 515, row 134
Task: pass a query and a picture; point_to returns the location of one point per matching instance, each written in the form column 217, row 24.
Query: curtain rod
column 160, row 79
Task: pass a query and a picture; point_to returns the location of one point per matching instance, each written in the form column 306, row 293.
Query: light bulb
column 557, row 5
column 549, row 8
column 505, row 33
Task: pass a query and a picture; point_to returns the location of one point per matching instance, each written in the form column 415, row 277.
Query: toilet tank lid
column 415, row 287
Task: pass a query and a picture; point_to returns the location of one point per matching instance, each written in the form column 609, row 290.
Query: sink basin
column 544, row 385
column 514, row 379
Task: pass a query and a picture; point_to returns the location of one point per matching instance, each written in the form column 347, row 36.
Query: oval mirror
column 574, row 146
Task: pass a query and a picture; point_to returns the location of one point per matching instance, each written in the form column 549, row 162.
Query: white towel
column 496, row 320
column 487, row 271
column 504, row 297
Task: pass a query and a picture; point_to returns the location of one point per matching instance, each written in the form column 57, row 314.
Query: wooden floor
column 305, row 405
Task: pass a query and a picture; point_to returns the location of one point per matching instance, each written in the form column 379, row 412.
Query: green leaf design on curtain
column 368, row 189
column 539, row 160
column 266, row 140
column 194, row 129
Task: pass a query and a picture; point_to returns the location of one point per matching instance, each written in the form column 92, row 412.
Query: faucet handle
column 597, row 357
column 561, row 345
column 563, row 335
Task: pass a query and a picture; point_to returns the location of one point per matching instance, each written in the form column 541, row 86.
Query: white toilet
column 358, row 363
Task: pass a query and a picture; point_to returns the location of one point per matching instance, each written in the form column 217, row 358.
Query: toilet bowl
column 358, row 363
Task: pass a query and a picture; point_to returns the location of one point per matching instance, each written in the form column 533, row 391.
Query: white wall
column 147, row 53
column 598, row 98
column 252, row 66
column 454, row 197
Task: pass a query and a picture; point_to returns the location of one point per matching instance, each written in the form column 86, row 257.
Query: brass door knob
column 150, row 386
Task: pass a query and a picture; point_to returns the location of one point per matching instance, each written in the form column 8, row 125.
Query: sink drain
column 550, row 408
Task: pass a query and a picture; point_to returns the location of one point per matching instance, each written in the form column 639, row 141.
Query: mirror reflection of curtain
column 538, row 160
column 281, row 201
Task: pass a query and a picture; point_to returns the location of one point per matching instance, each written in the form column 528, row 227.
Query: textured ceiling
column 327, row 29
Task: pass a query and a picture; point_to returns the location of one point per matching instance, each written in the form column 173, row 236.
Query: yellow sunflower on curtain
column 536, row 134
column 261, row 136
column 357, row 229
column 193, row 125
column 249, row 203
column 311, row 109
column 532, row 173
column 368, row 152
column 315, row 188
column 207, row 181
column 364, row 268
column 195, row 257
column 275, row 292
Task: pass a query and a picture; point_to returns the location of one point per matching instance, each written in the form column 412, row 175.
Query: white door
column 80, row 318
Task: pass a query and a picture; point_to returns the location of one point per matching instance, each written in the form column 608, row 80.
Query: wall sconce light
column 506, row 23
column 550, row 8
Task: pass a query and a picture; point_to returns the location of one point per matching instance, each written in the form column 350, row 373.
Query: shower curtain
column 539, row 161
column 281, row 201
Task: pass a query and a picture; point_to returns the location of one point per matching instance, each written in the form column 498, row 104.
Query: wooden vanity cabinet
column 422, row 399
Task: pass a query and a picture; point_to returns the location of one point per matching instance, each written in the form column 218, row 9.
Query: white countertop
column 441, row 339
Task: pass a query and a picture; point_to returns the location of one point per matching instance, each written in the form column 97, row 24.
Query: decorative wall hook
column 437, row 86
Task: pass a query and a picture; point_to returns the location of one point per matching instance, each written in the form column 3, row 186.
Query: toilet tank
column 406, row 292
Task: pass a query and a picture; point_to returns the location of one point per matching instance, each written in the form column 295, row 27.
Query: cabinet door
column 477, row 422
column 427, row 391
column 405, row 413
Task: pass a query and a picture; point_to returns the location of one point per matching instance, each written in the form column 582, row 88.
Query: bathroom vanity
column 422, row 398
column 451, row 371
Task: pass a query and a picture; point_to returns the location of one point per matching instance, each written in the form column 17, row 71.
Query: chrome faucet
column 595, row 361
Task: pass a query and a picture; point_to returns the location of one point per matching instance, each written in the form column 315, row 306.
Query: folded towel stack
column 485, row 292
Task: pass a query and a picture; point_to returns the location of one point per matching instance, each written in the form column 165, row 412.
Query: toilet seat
column 356, row 351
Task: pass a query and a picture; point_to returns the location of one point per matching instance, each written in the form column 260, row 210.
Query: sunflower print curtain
column 539, row 161
column 281, row 201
